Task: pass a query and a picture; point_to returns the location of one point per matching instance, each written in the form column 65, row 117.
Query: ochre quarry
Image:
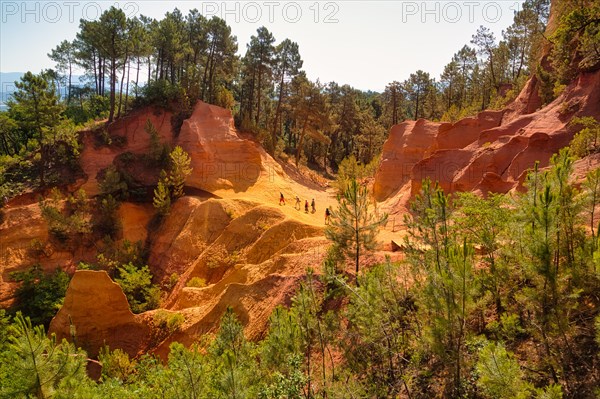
column 491, row 152
column 229, row 236
column 228, row 232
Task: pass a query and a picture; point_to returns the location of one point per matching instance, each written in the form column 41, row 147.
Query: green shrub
column 172, row 321
column 172, row 282
column 16, row 174
column 112, row 255
column 86, row 266
column 40, row 295
column 115, row 364
column 37, row 248
column 230, row 213
column 107, row 221
column 158, row 153
column 119, row 141
column 162, row 198
column 499, row 373
column 224, row 98
column 511, row 326
column 137, row 285
column 587, row 140
column 598, row 329
column 113, row 184
column 196, row 282
column 67, row 220
column 160, row 92
column 350, row 169
column 103, row 137
column 553, row 391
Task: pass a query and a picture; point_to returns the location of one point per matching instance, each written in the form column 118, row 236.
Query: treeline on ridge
column 174, row 61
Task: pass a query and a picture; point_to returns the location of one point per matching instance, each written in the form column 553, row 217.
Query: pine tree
column 592, row 193
column 260, row 60
column 484, row 223
column 234, row 365
column 551, row 258
column 156, row 149
column 377, row 342
column 180, row 170
column 64, row 56
column 587, row 140
column 443, row 273
column 162, row 196
column 221, row 61
column 393, row 97
column 38, row 365
column 309, row 111
column 353, row 225
column 485, row 41
column 500, row 376
column 136, row 283
column 418, row 87
column 187, row 373
column 36, row 110
column 287, row 66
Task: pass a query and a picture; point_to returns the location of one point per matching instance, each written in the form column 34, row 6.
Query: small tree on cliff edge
column 353, row 225
column 180, row 170
column 170, row 186
column 162, row 195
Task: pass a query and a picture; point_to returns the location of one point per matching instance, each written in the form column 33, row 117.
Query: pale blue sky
column 366, row 44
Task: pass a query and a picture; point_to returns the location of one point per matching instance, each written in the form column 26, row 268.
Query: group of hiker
column 313, row 206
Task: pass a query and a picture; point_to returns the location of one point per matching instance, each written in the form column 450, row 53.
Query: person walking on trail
column 312, row 205
column 281, row 198
column 306, row 206
column 297, row 205
column 327, row 215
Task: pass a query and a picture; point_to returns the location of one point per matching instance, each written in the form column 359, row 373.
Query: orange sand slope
column 489, row 153
column 233, row 238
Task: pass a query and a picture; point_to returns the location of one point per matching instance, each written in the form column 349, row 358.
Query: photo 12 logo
column 66, row 11
column 272, row 11
column 457, row 11
column 231, row 11
column 6, row 90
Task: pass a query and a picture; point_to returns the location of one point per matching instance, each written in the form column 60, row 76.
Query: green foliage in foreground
column 33, row 365
column 40, row 295
column 586, row 141
column 137, row 285
column 170, row 186
column 496, row 298
column 354, row 224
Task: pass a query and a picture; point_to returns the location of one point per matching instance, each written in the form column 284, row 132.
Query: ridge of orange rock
column 96, row 313
column 263, row 249
column 491, row 152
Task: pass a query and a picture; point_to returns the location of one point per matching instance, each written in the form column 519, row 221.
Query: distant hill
column 7, row 86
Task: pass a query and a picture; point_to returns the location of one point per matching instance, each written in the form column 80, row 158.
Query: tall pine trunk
column 113, row 84
column 125, row 63
column 258, row 95
column 301, row 140
column 127, row 87
column 70, row 84
column 278, row 110
column 137, row 78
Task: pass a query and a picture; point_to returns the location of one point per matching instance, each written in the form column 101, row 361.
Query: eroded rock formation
column 242, row 250
column 96, row 313
column 489, row 153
